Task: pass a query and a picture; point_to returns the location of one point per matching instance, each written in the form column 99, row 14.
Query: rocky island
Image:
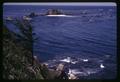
column 54, row 12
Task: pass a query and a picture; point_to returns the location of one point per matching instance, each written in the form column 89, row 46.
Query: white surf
column 60, row 16
column 77, row 72
column 68, row 60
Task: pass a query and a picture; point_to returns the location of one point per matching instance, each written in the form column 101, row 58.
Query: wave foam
column 60, row 16
column 76, row 72
column 68, row 60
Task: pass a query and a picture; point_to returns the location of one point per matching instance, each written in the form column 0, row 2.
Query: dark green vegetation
column 18, row 60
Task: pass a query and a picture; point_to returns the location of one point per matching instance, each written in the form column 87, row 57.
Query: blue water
column 89, row 33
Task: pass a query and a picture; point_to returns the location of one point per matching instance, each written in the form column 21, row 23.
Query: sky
column 68, row 4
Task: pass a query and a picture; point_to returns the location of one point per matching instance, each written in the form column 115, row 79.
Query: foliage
column 17, row 53
column 18, row 60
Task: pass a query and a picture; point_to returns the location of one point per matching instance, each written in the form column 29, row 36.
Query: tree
column 18, row 51
column 26, row 36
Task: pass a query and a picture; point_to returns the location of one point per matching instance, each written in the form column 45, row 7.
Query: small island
column 54, row 12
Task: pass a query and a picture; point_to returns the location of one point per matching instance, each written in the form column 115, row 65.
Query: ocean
column 87, row 37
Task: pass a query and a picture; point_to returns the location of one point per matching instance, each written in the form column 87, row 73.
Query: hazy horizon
column 67, row 4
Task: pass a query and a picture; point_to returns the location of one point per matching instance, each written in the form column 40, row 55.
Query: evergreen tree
column 18, row 52
column 26, row 36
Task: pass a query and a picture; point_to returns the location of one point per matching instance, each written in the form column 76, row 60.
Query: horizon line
column 65, row 4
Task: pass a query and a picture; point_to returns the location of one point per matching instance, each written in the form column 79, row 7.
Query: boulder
column 60, row 67
column 32, row 14
column 72, row 76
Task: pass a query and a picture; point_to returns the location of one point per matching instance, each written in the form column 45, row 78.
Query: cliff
column 18, row 60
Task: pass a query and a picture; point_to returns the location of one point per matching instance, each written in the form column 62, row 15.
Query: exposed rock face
column 53, row 12
column 72, row 76
column 59, row 73
column 32, row 14
column 60, row 67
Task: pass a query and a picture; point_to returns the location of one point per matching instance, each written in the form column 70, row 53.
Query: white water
column 68, row 60
column 60, row 16
column 102, row 66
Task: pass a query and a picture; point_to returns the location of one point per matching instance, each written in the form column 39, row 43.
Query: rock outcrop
column 53, row 12
column 19, row 62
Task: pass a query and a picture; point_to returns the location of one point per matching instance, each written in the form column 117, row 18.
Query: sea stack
column 54, row 12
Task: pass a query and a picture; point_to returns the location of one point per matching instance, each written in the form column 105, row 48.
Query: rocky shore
column 57, row 73
column 19, row 63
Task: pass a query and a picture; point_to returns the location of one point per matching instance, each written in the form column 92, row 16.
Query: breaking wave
column 79, row 66
column 60, row 16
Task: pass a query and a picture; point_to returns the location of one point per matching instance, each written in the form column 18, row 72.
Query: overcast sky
column 68, row 4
